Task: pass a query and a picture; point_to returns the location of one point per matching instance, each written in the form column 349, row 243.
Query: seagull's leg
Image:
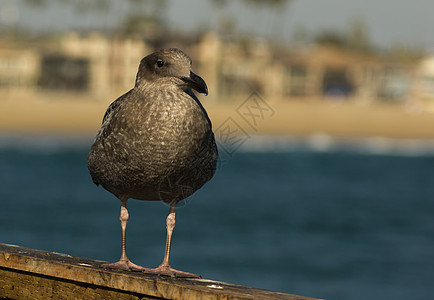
column 124, row 263
column 170, row 225
column 164, row 268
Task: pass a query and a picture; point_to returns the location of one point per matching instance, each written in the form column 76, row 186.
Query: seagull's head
column 171, row 63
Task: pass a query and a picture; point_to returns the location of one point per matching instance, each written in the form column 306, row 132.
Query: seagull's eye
column 160, row 63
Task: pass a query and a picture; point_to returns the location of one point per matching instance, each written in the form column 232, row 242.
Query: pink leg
column 124, row 263
column 164, row 268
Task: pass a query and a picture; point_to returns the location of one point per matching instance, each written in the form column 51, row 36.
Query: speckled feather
column 156, row 141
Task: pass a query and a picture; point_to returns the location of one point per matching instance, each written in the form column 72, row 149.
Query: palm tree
column 277, row 6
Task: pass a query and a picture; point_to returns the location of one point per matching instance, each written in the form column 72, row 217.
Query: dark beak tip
column 197, row 83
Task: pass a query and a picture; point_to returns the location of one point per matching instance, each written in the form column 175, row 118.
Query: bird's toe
column 124, row 265
column 168, row 271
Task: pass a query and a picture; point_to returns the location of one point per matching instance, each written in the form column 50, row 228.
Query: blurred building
column 238, row 67
column 233, row 67
column 98, row 64
column 425, row 84
column 19, row 67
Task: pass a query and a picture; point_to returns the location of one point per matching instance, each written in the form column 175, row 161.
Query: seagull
column 155, row 143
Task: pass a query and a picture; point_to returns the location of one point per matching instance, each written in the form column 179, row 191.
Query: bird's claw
column 124, row 265
column 168, row 271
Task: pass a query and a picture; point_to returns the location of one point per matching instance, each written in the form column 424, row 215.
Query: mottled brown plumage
column 156, row 142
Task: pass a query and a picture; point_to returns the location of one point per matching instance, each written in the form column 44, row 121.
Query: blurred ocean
column 316, row 217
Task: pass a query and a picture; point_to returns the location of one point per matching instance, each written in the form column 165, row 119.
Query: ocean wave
column 44, row 144
column 253, row 144
column 326, row 143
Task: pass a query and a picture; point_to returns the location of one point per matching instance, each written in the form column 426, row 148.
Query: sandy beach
column 78, row 114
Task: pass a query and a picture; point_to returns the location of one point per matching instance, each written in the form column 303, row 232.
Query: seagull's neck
column 170, row 84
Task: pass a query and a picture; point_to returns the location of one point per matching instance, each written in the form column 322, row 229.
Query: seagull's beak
column 196, row 82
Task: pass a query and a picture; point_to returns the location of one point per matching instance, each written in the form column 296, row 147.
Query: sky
column 388, row 22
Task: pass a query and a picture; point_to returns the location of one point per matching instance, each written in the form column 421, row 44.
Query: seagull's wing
column 113, row 108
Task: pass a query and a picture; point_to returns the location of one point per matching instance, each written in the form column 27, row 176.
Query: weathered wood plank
column 23, row 285
column 34, row 274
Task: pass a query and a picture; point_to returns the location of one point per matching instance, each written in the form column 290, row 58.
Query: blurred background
column 324, row 114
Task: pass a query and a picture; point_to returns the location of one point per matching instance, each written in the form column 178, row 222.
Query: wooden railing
column 34, row 274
